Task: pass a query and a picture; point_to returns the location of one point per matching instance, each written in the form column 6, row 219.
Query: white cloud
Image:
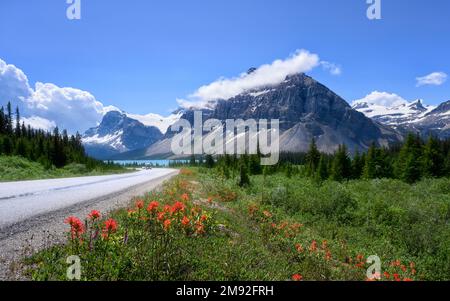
column 331, row 67
column 39, row 123
column 435, row 79
column 14, row 85
column 384, row 99
column 265, row 75
column 47, row 105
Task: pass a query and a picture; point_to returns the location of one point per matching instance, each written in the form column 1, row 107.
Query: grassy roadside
column 204, row 227
column 18, row 168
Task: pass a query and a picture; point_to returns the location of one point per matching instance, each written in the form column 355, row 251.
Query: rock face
column 436, row 122
column 117, row 134
column 306, row 109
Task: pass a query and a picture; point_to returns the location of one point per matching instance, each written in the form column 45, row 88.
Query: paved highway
column 20, row 201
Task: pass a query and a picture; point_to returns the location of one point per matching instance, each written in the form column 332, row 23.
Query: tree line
column 55, row 148
column 410, row 161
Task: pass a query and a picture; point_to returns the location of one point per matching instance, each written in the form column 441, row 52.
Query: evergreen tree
column 244, row 179
column 433, row 159
column 322, row 170
column 409, row 163
column 341, row 165
column 209, row 161
column 370, row 166
column 255, row 165
column 312, row 158
column 9, row 129
column 17, row 129
column 358, row 164
column 192, row 160
column 2, row 121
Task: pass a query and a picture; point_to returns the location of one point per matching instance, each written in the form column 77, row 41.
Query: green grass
column 18, row 168
column 257, row 233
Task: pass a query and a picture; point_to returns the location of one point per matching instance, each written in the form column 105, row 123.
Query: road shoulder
column 44, row 231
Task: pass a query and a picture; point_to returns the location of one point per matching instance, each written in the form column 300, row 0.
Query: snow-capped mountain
column 406, row 116
column 393, row 114
column 120, row 132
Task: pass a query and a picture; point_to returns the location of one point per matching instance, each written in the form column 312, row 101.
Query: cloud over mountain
column 382, row 99
column 265, row 75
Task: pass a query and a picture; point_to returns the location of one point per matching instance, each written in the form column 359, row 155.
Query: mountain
column 306, row 109
column 410, row 116
column 118, row 133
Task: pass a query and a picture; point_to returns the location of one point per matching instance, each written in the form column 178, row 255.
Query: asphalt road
column 20, row 201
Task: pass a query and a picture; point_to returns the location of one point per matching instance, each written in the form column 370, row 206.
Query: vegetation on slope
column 13, row 168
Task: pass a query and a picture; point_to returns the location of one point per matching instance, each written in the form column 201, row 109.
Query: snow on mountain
column 114, row 140
column 391, row 109
column 158, row 121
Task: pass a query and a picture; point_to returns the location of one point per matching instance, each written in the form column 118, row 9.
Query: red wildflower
column 161, row 216
column 324, row 245
column 397, row 277
column 299, row 248
column 153, row 206
column 177, row 207
column 109, row 227
column 140, row 204
column 167, row 224
column 203, row 218
column 199, row 228
column 387, row 275
column 210, row 200
column 328, row 256
column 167, row 208
column 76, row 226
column 396, row 263
column 313, row 247
column 94, row 215
column 185, row 197
column 407, row 280
column 297, row 277
column 185, row 221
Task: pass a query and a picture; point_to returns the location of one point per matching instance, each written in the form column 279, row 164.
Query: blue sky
column 142, row 55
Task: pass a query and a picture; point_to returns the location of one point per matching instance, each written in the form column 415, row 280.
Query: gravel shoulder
column 45, row 230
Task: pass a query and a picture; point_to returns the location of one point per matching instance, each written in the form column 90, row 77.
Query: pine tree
column 255, row 165
column 2, row 121
column 409, row 162
column 370, row 166
column 192, row 160
column 9, row 129
column 433, row 159
column 312, row 158
column 358, row 164
column 244, row 179
column 17, row 129
column 341, row 165
column 322, row 170
column 209, row 161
